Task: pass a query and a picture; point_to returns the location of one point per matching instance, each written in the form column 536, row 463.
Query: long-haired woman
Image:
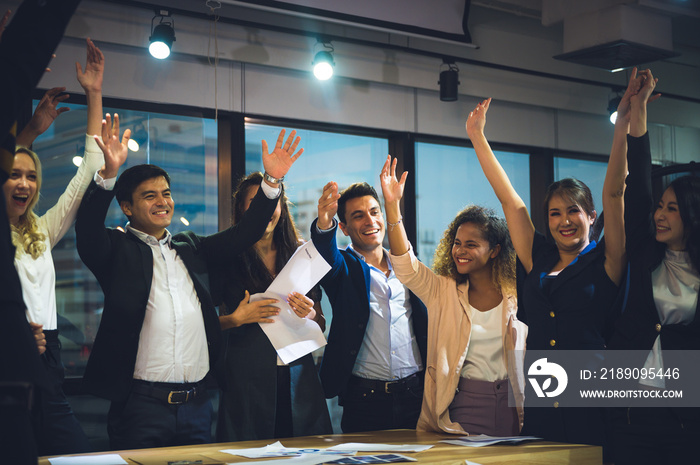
column 474, row 336
column 262, row 398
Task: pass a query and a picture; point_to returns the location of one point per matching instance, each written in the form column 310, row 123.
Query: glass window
column 343, row 158
column 186, row 147
column 328, row 156
column 448, row 178
column 590, row 172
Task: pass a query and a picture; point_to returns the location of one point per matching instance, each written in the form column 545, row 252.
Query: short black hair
column 132, row 177
column 359, row 189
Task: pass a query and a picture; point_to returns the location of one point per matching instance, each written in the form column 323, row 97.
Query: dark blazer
column 123, row 265
column 347, row 285
column 640, row 324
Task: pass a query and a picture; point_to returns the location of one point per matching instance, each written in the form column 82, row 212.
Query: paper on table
column 368, row 447
column 291, row 336
column 106, row 459
column 278, row 450
column 484, row 440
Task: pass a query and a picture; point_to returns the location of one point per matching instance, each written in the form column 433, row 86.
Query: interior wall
column 267, row 73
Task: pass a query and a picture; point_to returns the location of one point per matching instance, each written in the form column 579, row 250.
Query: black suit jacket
column 123, row 265
column 640, row 324
column 347, row 286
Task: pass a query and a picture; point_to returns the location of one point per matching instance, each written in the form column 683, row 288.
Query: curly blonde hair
column 26, row 234
column 496, row 232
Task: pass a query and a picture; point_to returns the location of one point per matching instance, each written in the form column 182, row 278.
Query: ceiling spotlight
column 323, row 63
column 613, row 103
column 139, row 136
column 449, row 81
column 162, row 35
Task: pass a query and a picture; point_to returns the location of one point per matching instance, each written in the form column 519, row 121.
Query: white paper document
column 484, row 440
column 106, row 459
column 368, row 447
column 292, row 336
column 278, row 450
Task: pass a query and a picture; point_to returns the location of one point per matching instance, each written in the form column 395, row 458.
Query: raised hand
column 392, row 187
column 302, row 306
column 115, row 152
column 91, row 79
column 278, row 162
column 477, row 119
column 44, row 115
column 328, row 205
column 648, row 84
column 253, row 312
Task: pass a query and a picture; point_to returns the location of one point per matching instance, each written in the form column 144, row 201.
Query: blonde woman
column 57, row 431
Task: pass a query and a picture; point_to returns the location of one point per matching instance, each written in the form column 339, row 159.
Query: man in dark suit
column 374, row 360
column 160, row 332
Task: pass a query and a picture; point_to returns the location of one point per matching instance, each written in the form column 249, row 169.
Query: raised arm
column 392, row 189
column 91, row 82
column 60, row 217
column 614, row 185
column 522, row 232
column 638, row 195
column 45, row 114
column 278, row 162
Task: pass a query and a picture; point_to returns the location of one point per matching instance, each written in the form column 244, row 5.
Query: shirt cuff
column 106, row 184
column 323, row 231
column 270, row 192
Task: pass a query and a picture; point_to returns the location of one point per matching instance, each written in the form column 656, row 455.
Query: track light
column 449, row 81
column 323, row 63
column 138, row 138
column 162, row 35
column 613, row 103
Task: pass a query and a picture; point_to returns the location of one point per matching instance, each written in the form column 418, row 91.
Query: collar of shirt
column 147, row 238
column 362, row 257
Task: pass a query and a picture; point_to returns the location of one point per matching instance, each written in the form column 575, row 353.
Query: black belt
column 388, row 387
column 170, row 393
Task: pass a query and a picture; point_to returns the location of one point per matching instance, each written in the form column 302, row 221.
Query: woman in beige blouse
column 474, row 377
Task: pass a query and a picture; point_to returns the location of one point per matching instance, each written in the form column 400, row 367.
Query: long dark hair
column 286, row 237
column 687, row 190
column 576, row 192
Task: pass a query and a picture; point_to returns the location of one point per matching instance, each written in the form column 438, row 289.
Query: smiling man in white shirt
column 160, row 334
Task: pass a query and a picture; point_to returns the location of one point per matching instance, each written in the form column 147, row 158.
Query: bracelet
column 272, row 179
column 393, row 225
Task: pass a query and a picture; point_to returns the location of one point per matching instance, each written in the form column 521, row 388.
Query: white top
column 484, row 361
column 675, row 285
column 38, row 277
column 389, row 349
column 173, row 341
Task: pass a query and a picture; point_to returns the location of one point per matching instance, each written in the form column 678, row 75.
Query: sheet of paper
column 484, row 440
column 368, row 447
column 106, row 459
column 291, row 336
column 292, row 456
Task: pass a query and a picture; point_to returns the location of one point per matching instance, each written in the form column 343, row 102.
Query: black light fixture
column 162, row 35
column 449, row 81
column 323, row 63
column 138, row 137
column 613, row 103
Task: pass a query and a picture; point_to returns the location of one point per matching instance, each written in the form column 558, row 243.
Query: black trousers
column 371, row 408
column 655, row 435
column 58, row 431
column 143, row 421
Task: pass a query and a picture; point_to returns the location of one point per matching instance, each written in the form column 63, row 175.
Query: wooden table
column 538, row 452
